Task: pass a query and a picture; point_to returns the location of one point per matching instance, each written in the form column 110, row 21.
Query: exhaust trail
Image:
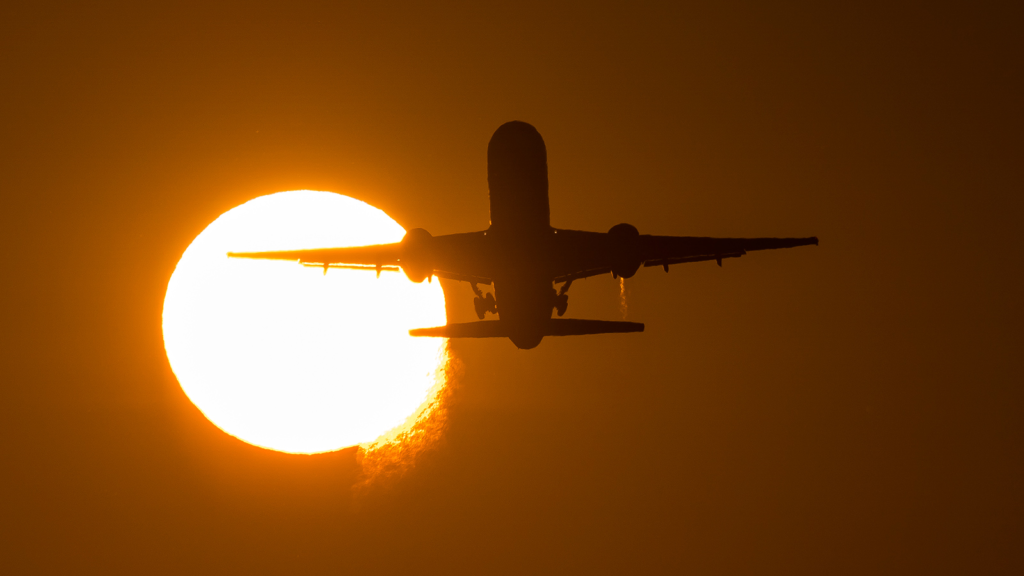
column 622, row 297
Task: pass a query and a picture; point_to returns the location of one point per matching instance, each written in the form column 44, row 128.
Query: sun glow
column 289, row 358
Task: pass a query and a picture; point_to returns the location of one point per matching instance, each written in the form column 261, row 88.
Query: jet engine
column 625, row 249
column 417, row 257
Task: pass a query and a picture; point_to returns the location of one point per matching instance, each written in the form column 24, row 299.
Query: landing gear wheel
column 561, row 303
column 485, row 305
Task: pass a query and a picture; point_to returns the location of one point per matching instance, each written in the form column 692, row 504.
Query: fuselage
column 521, row 255
column 523, row 287
column 520, row 231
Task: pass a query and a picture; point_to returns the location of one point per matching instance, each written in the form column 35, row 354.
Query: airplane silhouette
column 522, row 256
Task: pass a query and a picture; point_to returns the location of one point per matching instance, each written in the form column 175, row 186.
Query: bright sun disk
column 285, row 357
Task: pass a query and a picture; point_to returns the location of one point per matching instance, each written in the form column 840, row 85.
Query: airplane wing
column 668, row 250
column 585, row 254
column 454, row 257
column 377, row 256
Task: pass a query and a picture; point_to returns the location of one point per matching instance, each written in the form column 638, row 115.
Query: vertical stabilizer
column 517, row 177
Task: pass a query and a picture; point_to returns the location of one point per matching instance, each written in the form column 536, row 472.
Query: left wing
column 460, row 257
column 584, row 254
column 374, row 257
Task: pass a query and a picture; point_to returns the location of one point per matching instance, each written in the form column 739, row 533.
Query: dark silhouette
column 522, row 256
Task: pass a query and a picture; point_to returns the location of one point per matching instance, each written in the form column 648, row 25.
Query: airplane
column 522, row 257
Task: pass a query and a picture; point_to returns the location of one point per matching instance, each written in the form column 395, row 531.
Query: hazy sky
column 848, row 409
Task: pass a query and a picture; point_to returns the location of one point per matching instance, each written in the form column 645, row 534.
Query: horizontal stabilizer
column 553, row 327
column 577, row 327
column 481, row 329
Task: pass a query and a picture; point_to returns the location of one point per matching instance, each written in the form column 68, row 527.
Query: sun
column 289, row 358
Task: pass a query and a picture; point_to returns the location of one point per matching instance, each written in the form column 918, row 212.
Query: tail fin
column 517, row 178
column 554, row 327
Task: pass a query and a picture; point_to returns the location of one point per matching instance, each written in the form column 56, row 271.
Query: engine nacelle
column 626, row 259
column 417, row 258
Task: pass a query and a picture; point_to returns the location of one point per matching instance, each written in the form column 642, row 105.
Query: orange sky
column 850, row 409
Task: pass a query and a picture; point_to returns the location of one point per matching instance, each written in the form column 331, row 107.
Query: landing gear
column 561, row 303
column 483, row 304
column 562, row 299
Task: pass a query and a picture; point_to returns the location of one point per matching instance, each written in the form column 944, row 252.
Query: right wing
column 668, row 250
column 582, row 254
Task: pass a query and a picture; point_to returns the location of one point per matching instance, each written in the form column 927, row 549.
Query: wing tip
column 243, row 255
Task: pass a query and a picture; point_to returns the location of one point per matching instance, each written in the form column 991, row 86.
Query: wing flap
column 670, row 261
column 583, row 274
